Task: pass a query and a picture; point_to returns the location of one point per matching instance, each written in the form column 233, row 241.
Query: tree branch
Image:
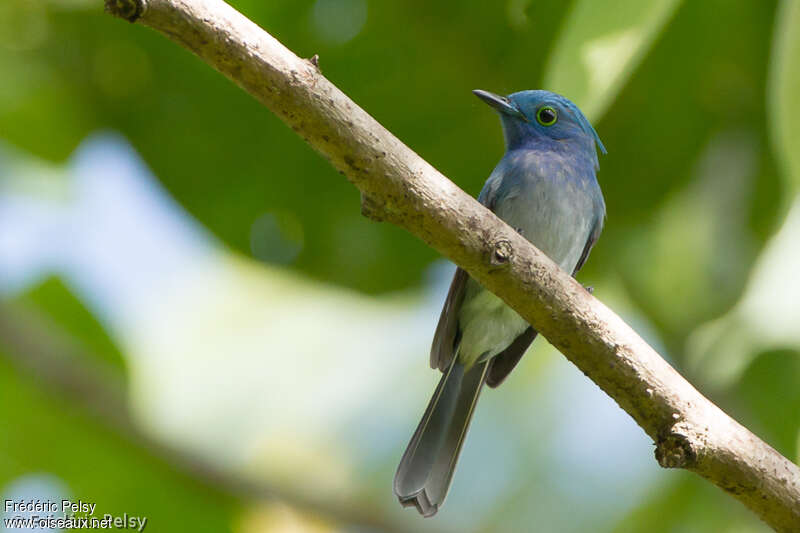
column 398, row 186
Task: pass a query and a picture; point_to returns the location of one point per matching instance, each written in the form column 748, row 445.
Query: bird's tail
column 427, row 466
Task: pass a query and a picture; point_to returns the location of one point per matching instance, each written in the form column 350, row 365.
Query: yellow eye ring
column 546, row 116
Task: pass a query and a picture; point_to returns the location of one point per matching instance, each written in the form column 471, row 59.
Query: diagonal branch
column 400, row 187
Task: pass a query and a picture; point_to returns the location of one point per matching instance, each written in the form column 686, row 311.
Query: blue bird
column 545, row 187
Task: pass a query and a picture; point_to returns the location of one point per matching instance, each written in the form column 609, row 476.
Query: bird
column 545, row 186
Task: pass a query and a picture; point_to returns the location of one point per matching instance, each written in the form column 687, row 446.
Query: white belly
column 487, row 325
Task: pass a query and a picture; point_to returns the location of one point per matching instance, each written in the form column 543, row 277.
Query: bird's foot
column 589, row 289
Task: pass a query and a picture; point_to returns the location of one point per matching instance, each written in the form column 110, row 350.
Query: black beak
column 500, row 103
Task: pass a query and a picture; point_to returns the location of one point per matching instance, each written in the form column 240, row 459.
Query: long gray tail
column 427, row 466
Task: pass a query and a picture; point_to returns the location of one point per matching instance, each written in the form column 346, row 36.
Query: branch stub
column 129, row 10
column 502, row 253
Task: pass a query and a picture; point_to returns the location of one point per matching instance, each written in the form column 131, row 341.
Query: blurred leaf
column 784, row 94
column 56, row 301
column 276, row 517
column 764, row 319
column 697, row 245
column 670, row 138
column 770, row 388
column 600, row 45
column 98, row 465
column 690, row 504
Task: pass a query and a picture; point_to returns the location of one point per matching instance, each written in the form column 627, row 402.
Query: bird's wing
column 447, row 333
column 593, row 236
column 504, row 362
column 445, row 338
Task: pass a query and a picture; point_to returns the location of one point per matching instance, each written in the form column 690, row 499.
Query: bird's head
column 528, row 115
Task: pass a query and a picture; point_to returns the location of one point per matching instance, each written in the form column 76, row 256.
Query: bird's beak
column 500, row 103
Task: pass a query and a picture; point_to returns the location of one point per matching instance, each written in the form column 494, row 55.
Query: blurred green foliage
column 41, row 433
column 703, row 160
column 412, row 67
column 61, row 308
column 784, row 98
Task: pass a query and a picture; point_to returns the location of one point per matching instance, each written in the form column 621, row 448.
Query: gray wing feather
column 593, row 236
column 504, row 362
column 445, row 338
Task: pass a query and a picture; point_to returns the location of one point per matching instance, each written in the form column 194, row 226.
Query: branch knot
column 674, row 450
column 129, row 10
column 501, row 253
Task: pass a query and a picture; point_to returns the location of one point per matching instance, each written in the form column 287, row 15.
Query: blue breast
column 549, row 192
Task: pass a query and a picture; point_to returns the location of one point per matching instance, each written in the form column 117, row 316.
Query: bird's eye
column 546, row 116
